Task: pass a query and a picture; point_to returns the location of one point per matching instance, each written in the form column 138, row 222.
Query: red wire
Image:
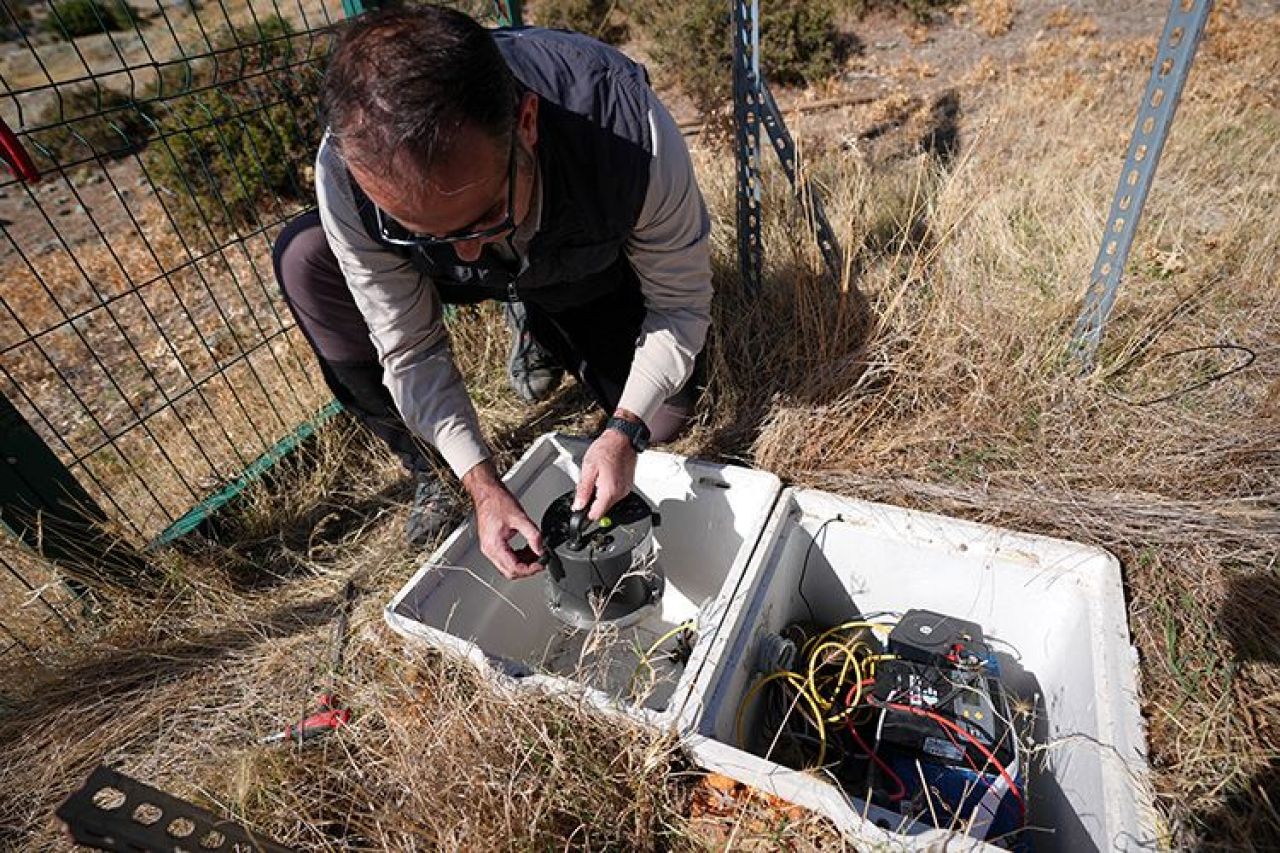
column 870, row 753
column 943, row 721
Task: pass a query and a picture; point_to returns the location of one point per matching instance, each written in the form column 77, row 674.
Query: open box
column 1056, row 609
column 733, row 546
column 711, row 518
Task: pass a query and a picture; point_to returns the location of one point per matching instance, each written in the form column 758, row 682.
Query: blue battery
column 962, row 799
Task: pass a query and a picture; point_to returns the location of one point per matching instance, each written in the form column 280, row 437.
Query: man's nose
column 468, row 250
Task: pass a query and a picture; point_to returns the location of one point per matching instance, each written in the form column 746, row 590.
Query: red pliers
column 329, row 717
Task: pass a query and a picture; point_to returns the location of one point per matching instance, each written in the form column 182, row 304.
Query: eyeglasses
column 395, row 234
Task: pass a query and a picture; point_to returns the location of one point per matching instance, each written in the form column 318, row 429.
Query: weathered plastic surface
column 711, row 519
column 1056, row 607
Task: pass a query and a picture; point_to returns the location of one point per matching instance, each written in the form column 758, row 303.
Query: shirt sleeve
column 405, row 322
column 671, row 254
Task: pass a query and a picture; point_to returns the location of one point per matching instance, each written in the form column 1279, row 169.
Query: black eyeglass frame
column 409, row 240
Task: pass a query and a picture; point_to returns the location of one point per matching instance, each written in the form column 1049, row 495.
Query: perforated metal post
column 789, row 155
column 746, row 122
column 753, row 108
column 1182, row 32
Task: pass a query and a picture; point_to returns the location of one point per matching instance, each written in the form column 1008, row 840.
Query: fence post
column 510, row 13
column 45, row 507
column 753, row 108
column 746, row 126
column 1169, row 71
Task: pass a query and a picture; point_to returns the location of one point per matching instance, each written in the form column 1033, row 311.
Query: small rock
column 80, row 210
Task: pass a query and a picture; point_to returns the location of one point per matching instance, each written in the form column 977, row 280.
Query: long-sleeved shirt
column 668, row 249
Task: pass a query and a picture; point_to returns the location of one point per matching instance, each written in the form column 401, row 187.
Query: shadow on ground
column 1249, row 817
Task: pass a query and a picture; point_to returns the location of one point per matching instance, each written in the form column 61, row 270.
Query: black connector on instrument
column 937, row 640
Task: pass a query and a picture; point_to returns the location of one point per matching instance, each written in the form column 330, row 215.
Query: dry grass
column 947, row 387
column 169, row 33
column 994, row 17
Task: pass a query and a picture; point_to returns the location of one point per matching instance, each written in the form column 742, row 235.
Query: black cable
column 1249, row 357
column 805, row 566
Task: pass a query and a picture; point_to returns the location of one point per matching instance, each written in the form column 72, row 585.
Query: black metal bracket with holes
column 754, row 108
column 114, row 812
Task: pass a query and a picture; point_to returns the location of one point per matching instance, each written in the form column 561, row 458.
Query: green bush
column 227, row 150
column 799, row 43
column 599, row 18
column 88, row 122
column 73, row 18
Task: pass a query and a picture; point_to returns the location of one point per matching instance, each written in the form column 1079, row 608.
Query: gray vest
column 594, row 152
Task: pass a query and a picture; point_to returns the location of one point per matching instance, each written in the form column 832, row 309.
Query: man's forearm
column 481, row 481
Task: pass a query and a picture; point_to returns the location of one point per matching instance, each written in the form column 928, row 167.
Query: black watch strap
column 635, row 431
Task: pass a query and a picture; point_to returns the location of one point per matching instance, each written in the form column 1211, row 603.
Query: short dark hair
column 404, row 80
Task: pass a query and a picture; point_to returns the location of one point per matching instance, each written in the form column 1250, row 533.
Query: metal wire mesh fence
column 141, row 333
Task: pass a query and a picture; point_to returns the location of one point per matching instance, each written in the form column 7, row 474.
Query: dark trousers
column 318, row 297
column 595, row 342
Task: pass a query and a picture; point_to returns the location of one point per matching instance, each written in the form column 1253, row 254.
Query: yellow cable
column 667, row 636
column 644, row 658
column 815, row 664
column 797, row 682
column 849, row 625
column 806, row 686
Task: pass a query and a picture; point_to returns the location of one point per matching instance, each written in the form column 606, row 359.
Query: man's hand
column 499, row 517
column 608, row 470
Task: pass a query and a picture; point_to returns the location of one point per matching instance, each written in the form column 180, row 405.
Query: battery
column 947, row 776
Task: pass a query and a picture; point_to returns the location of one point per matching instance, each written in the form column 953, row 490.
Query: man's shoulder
column 582, row 77
column 329, row 166
column 556, row 41
column 333, row 181
column 563, row 61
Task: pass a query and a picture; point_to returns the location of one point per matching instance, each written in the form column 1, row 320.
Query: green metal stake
column 509, row 13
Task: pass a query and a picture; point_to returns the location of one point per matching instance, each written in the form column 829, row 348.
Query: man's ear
column 527, row 120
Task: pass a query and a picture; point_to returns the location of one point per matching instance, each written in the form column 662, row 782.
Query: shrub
column 16, row 22
column 798, row 42
column 73, row 18
column 599, row 18
column 89, row 121
column 235, row 144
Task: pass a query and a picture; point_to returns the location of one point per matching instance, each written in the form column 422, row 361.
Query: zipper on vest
column 512, row 295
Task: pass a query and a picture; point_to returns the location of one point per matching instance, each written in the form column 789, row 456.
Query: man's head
column 430, row 121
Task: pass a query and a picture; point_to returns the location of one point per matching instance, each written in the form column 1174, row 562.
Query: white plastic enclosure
column 1056, row 607
column 711, row 518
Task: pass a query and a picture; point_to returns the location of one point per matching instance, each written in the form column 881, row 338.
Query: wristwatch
column 635, row 431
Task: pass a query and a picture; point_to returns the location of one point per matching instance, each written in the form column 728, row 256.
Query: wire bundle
column 803, row 706
column 823, row 713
